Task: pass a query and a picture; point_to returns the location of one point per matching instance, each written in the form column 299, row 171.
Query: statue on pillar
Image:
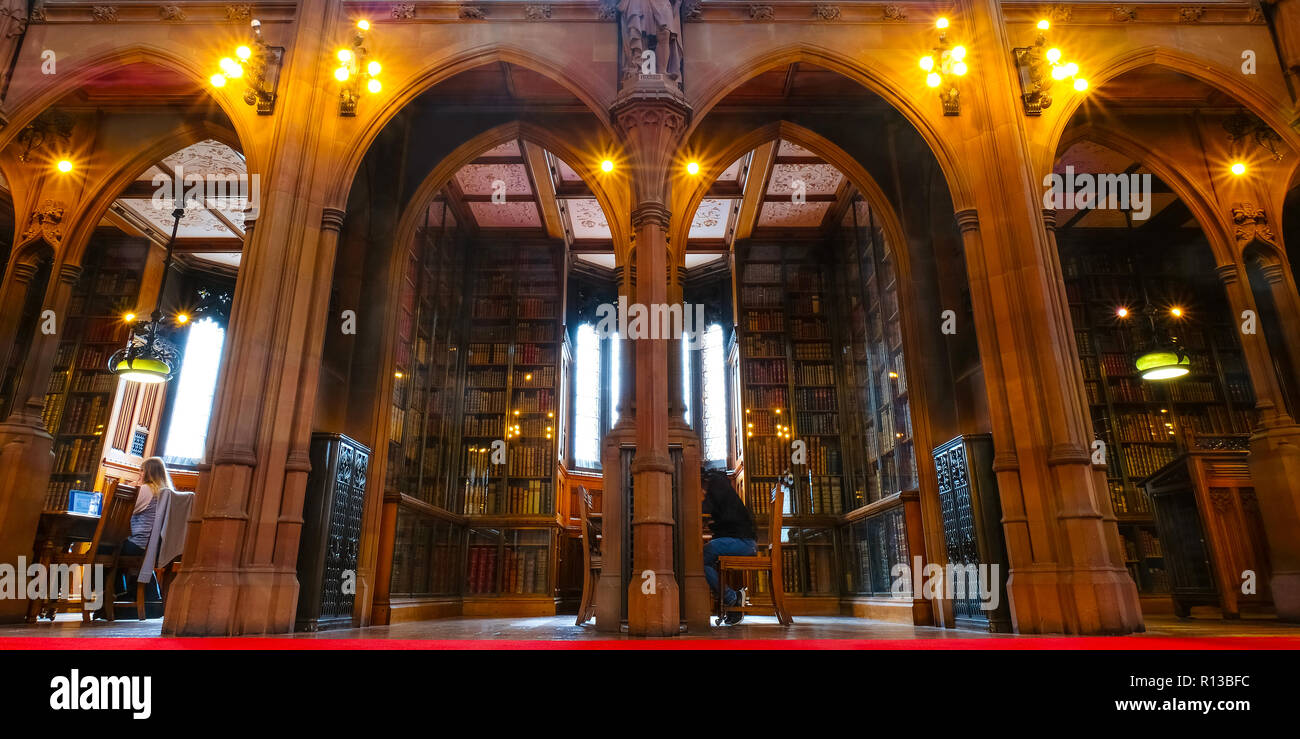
column 651, row 32
column 13, row 27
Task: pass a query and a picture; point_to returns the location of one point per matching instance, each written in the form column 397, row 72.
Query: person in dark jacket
column 733, row 533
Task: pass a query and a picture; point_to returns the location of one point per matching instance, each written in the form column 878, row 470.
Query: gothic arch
column 861, row 70
column 25, row 110
column 1268, row 108
column 82, row 222
column 354, row 152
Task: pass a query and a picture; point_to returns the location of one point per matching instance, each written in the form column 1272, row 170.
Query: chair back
column 774, row 521
column 589, row 529
column 115, row 517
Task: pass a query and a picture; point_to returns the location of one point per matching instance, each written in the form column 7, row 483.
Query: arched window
column 187, row 431
column 615, row 375
column 686, row 380
column 713, row 388
column 586, row 406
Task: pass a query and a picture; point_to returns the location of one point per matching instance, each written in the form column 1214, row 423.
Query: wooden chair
column 768, row 561
column 113, row 528
column 591, row 559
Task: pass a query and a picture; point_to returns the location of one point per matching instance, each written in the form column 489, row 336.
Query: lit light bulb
column 64, row 166
column 693, row 168
column 341, row 74
column 374, row 86
column 1176, row 312
column 959, row 69
column 345, row 55
column 1043, row 25
column 1059, row 73
column 1080, row 84
column 528, row 377
column 230, row 67
column 218, row 80
column 182, row 318
column 128, row 317
column 373, row 68
column 398, row 375
column 933, row 79
column 607, row 166
column 243, row 52
column 1238, row 168
column 1122, row 312
column 958, row 53
column 363, row 24
column 1071, row 69
column 941, row 24
column 1053, row 55
column 927, row 63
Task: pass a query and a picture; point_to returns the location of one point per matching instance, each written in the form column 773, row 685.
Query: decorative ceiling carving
column 478, row 179
column 515, row 214
column 792, row 215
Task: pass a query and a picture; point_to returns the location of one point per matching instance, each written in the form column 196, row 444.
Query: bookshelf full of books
column 789, row 392
column 423, row 433
column 510, row 420
column 79, row 397
column 1144, row 423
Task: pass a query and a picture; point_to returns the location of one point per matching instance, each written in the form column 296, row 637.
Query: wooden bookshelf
column 511, row 395
column 1143, row 423
column 428, row 538
column 80, row 394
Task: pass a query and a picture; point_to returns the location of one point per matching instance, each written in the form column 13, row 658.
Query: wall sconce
column 258, row 63
column 44, row 129
column 355, row 68
column 943, row 68
column 1038, row 68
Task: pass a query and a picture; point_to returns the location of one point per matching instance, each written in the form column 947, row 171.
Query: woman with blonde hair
column 154, row 479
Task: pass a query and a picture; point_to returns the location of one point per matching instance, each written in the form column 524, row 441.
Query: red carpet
column 1016, row 643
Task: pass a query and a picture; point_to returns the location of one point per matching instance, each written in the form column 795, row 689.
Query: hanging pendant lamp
column 1163, row 357
column 148, row 357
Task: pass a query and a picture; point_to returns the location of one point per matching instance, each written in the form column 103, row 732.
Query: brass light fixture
column 943, row 67
column 1162, row 357
column 258, row 64
column 44, row 129
column 148, row 357
column 355, row 67
column 1038, row 67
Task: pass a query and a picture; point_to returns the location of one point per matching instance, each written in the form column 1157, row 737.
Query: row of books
column 807, row 305
column 759, row 398
column 534, row 354
column 533, row 401
column 489, row 332
column 492, row 283
column 824, row 496
column 766, row 371
column 761, row 297
column 812, row 352
column 535, row 308
column 759, row 346
column 1140, row 460
column 764, row 320
column 767, row 456
column 485, row 426
column 118, row 283
column 1149, row 425
column 111, row 330
column 535, row 331
column 486, row 378
column 524, row 570
column 84, row 414
column 804, row 277
column 824, row 457
column 94, row 358
column 817, row 423
column 490, row 308
column 56, row 495
column 815, row 399
column 531, row 460
column 76, row 457
column 537, row 377
column 814, row 374
column 807, row 329
column 485, row 401
column 1128, row 501
column 762, row 272
column 532, row 497
column 488, row 354
column 1141, row 543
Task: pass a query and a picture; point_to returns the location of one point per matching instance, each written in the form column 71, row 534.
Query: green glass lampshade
column 143, row 369
column 1163, row 364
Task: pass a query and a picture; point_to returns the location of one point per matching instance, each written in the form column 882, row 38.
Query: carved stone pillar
column 13, row 296
column 652, row 115
column 609, row 588
column 1064, row 574
column 1282, row 288
column 26, row 448
column 695, row 588
column 242, row 546
column 1274, row 457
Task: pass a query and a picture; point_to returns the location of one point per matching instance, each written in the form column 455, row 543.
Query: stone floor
column 561, row 628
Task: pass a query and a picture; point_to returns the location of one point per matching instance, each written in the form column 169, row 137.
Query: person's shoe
column 734, row 617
